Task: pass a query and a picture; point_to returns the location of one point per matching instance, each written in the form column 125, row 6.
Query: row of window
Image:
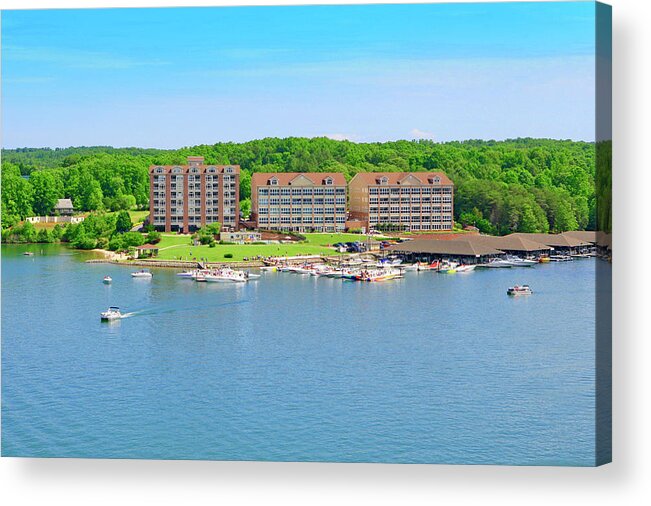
column 274, row 201
column 409, row 209
column 194, row 170
column 302, row 191
column 304, row 211
column 409, row 190
column 266, row 220
column 375, row 219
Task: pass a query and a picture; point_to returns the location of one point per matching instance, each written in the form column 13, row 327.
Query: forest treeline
column 519, row 185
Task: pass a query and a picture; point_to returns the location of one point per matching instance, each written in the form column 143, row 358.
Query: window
column 228, row 170
column 273, row 181
column 159, row 170
column 384, row 180
column 328, row 180
column 177, row 170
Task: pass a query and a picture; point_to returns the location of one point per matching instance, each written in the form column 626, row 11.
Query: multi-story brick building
column 299, row 202
column 412, row 201
column 186, row 197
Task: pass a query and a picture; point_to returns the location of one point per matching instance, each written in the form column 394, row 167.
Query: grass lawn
column 138, row 216
column 173, row 246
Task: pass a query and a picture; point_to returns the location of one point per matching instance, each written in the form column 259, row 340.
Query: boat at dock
column 112, row 313
column 465, row 268
column 520, row 262
column 186, row 274
column 374, row 275
column 141, row 274
column 519, row 290
column 497, row 263
column 560, row 258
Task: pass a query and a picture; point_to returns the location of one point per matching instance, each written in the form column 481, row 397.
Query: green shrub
column 212, row 244
column 228, row 255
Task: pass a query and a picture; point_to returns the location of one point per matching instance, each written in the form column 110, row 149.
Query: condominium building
column 413, row 201
column 299, row 202
column 186, row 197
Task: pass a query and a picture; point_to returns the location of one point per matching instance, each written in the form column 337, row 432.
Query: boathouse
column 468, row 252
column 560, row 243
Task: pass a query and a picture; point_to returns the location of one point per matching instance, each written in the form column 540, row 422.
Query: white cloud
column 417, row 133
column 342, row 137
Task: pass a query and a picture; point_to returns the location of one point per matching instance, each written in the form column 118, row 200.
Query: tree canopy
column 527, row 185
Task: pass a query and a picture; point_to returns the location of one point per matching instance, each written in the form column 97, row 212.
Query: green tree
column 46, row 191
column 123, row 222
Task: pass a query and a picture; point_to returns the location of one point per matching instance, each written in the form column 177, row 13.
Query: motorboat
column 498, row 263
column 186, row 274
column 112, row 313
column 560, row 258
column 269, row 268
column 465, row 268
column 520, row 262
column 408, row 267
column 384, row 274
column 28, row 254
column 519, row 290
column 226, row 276
column 141, row 274
column 107, row 280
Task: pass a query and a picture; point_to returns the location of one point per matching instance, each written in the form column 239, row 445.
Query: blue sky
column 177, row 77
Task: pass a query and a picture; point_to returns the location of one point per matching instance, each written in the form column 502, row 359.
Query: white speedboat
column 498, row 263
column 269, row 268
column 520, row 262
column 141, row 274
column 112, row 313
column 186, row 274
column 519, row 290
column 408, row 267
column 226, row 276
column 465, row 268
column 560, row 258
column 107, row 280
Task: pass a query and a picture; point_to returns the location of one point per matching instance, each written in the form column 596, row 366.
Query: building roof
column 436, row 247
column 553, row 240
column 582, row 235
column 64, row 204
column 286, row 178
column 509, row 243
column 395, row 178
column 147, row 246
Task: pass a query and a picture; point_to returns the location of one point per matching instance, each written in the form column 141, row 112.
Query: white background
column 625, row 481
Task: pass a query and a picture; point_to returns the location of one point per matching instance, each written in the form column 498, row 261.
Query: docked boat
column 226, row 276
column 112, row 313
column 408, row 267
column 107, row 280
column 28, row 254
column 269, row 268
column 465, row 268
column 519, row 290
column 378, row 274
column 520, row 262
column 560, row 258
column 424, row 266
column 498, row 263
column 186, row 274
column 141, row 274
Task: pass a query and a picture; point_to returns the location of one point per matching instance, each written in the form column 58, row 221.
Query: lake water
column 432, row 368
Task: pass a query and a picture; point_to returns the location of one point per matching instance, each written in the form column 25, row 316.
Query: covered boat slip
column 433, row 249
column 479, row 249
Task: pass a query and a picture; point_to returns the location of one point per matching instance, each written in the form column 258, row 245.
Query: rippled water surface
column 430, row 368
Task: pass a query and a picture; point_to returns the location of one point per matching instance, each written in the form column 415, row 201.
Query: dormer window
column 212, row 170
column 435, row 180
column 159, row 170
column 177, row 170
column 273, row 181
column 384, row 180
column 328, row 180
column 194, row 170
column 228, row 170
